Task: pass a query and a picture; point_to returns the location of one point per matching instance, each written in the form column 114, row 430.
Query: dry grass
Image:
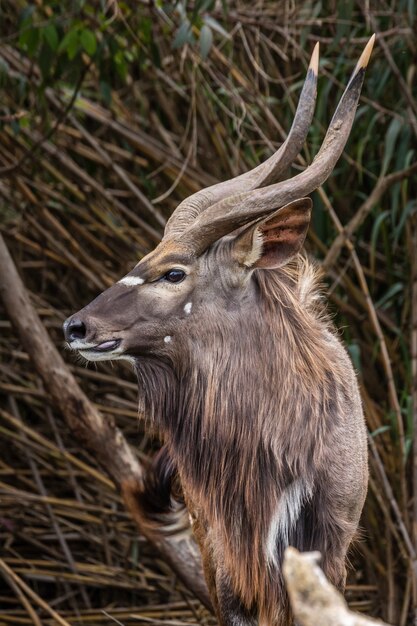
column 85, row 190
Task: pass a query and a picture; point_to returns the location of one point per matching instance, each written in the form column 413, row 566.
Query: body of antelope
column 243, row 376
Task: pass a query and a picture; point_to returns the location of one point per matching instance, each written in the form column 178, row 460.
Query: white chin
column 114, row 355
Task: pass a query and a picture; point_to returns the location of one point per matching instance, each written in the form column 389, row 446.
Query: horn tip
column 364, row 58
column 314, row 62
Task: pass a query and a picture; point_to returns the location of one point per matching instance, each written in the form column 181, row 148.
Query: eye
column 174, row 276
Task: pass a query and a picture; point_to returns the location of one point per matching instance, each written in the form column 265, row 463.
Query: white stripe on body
column 286, row 515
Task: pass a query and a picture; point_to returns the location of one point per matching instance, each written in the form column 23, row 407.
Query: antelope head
column 214, row 241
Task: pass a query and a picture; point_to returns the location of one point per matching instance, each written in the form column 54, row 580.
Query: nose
column 74, row 329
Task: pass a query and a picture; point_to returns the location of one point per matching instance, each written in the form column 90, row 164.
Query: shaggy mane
column 296, row 284
column 197, row 404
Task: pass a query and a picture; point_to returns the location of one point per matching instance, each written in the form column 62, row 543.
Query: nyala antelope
column 243, row 377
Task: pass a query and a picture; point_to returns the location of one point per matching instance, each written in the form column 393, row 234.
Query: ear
column 275, row 240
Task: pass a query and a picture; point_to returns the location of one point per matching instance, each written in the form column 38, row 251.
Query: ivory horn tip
column 364, row 58
column 314, row 62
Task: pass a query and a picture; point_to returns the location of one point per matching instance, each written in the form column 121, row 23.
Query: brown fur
column 242, row 376
column 252, row 393
column 238, row 441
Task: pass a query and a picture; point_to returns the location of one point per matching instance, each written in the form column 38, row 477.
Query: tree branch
column 101, row 437
column 313, row 599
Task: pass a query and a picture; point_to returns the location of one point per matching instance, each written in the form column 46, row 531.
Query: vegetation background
column 110, row 114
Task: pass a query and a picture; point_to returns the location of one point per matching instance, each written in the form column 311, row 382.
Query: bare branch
column 383, row 184
column 101, row 437
column 313, row 599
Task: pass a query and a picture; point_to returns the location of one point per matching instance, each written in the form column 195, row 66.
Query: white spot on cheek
column 167, row 339
column 188, row 308
column 131, row 281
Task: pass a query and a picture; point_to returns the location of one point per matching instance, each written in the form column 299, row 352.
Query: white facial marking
column 131, row 281
column 79, row 344
column 91, row 355
column 167, row 339
column 286, row 515
column 188, row 308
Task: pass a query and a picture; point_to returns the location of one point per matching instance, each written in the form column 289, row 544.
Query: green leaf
column 385, row 301
column 45, row 61
column 183, row 35
column 50, row 35
column 70, row 43
column 15, row 126
column 105, row 91
column 145, row 32
column 121, row 65
column 73, row 48
column 390, row 140
column 380, row 430
column 355, row 355
column 24, row 122
column 29, row 40
column 225, row 7
column 214, row 25
column 206, row 41
column 374, row 237
column 409, row 208
column 411, row 11
column 88, row 41
column 26, row 15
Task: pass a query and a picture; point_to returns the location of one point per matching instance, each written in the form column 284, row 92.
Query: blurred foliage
column 112, row 112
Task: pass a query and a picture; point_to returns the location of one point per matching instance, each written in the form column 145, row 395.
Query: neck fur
column 245, row 410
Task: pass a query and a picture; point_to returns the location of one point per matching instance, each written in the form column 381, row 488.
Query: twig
column 383, row 184
column 34, row 596
column 378, row 331
column 42, row 490
column 412, row 106
column 21, row 596
column 413, row 257
column 119, row 171
column 10, row 169
column 394, row 505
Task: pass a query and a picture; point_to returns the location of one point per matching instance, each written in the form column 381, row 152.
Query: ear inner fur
column 275, row 240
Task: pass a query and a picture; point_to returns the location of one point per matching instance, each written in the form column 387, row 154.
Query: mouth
column 102, row 351
column 107, row 346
